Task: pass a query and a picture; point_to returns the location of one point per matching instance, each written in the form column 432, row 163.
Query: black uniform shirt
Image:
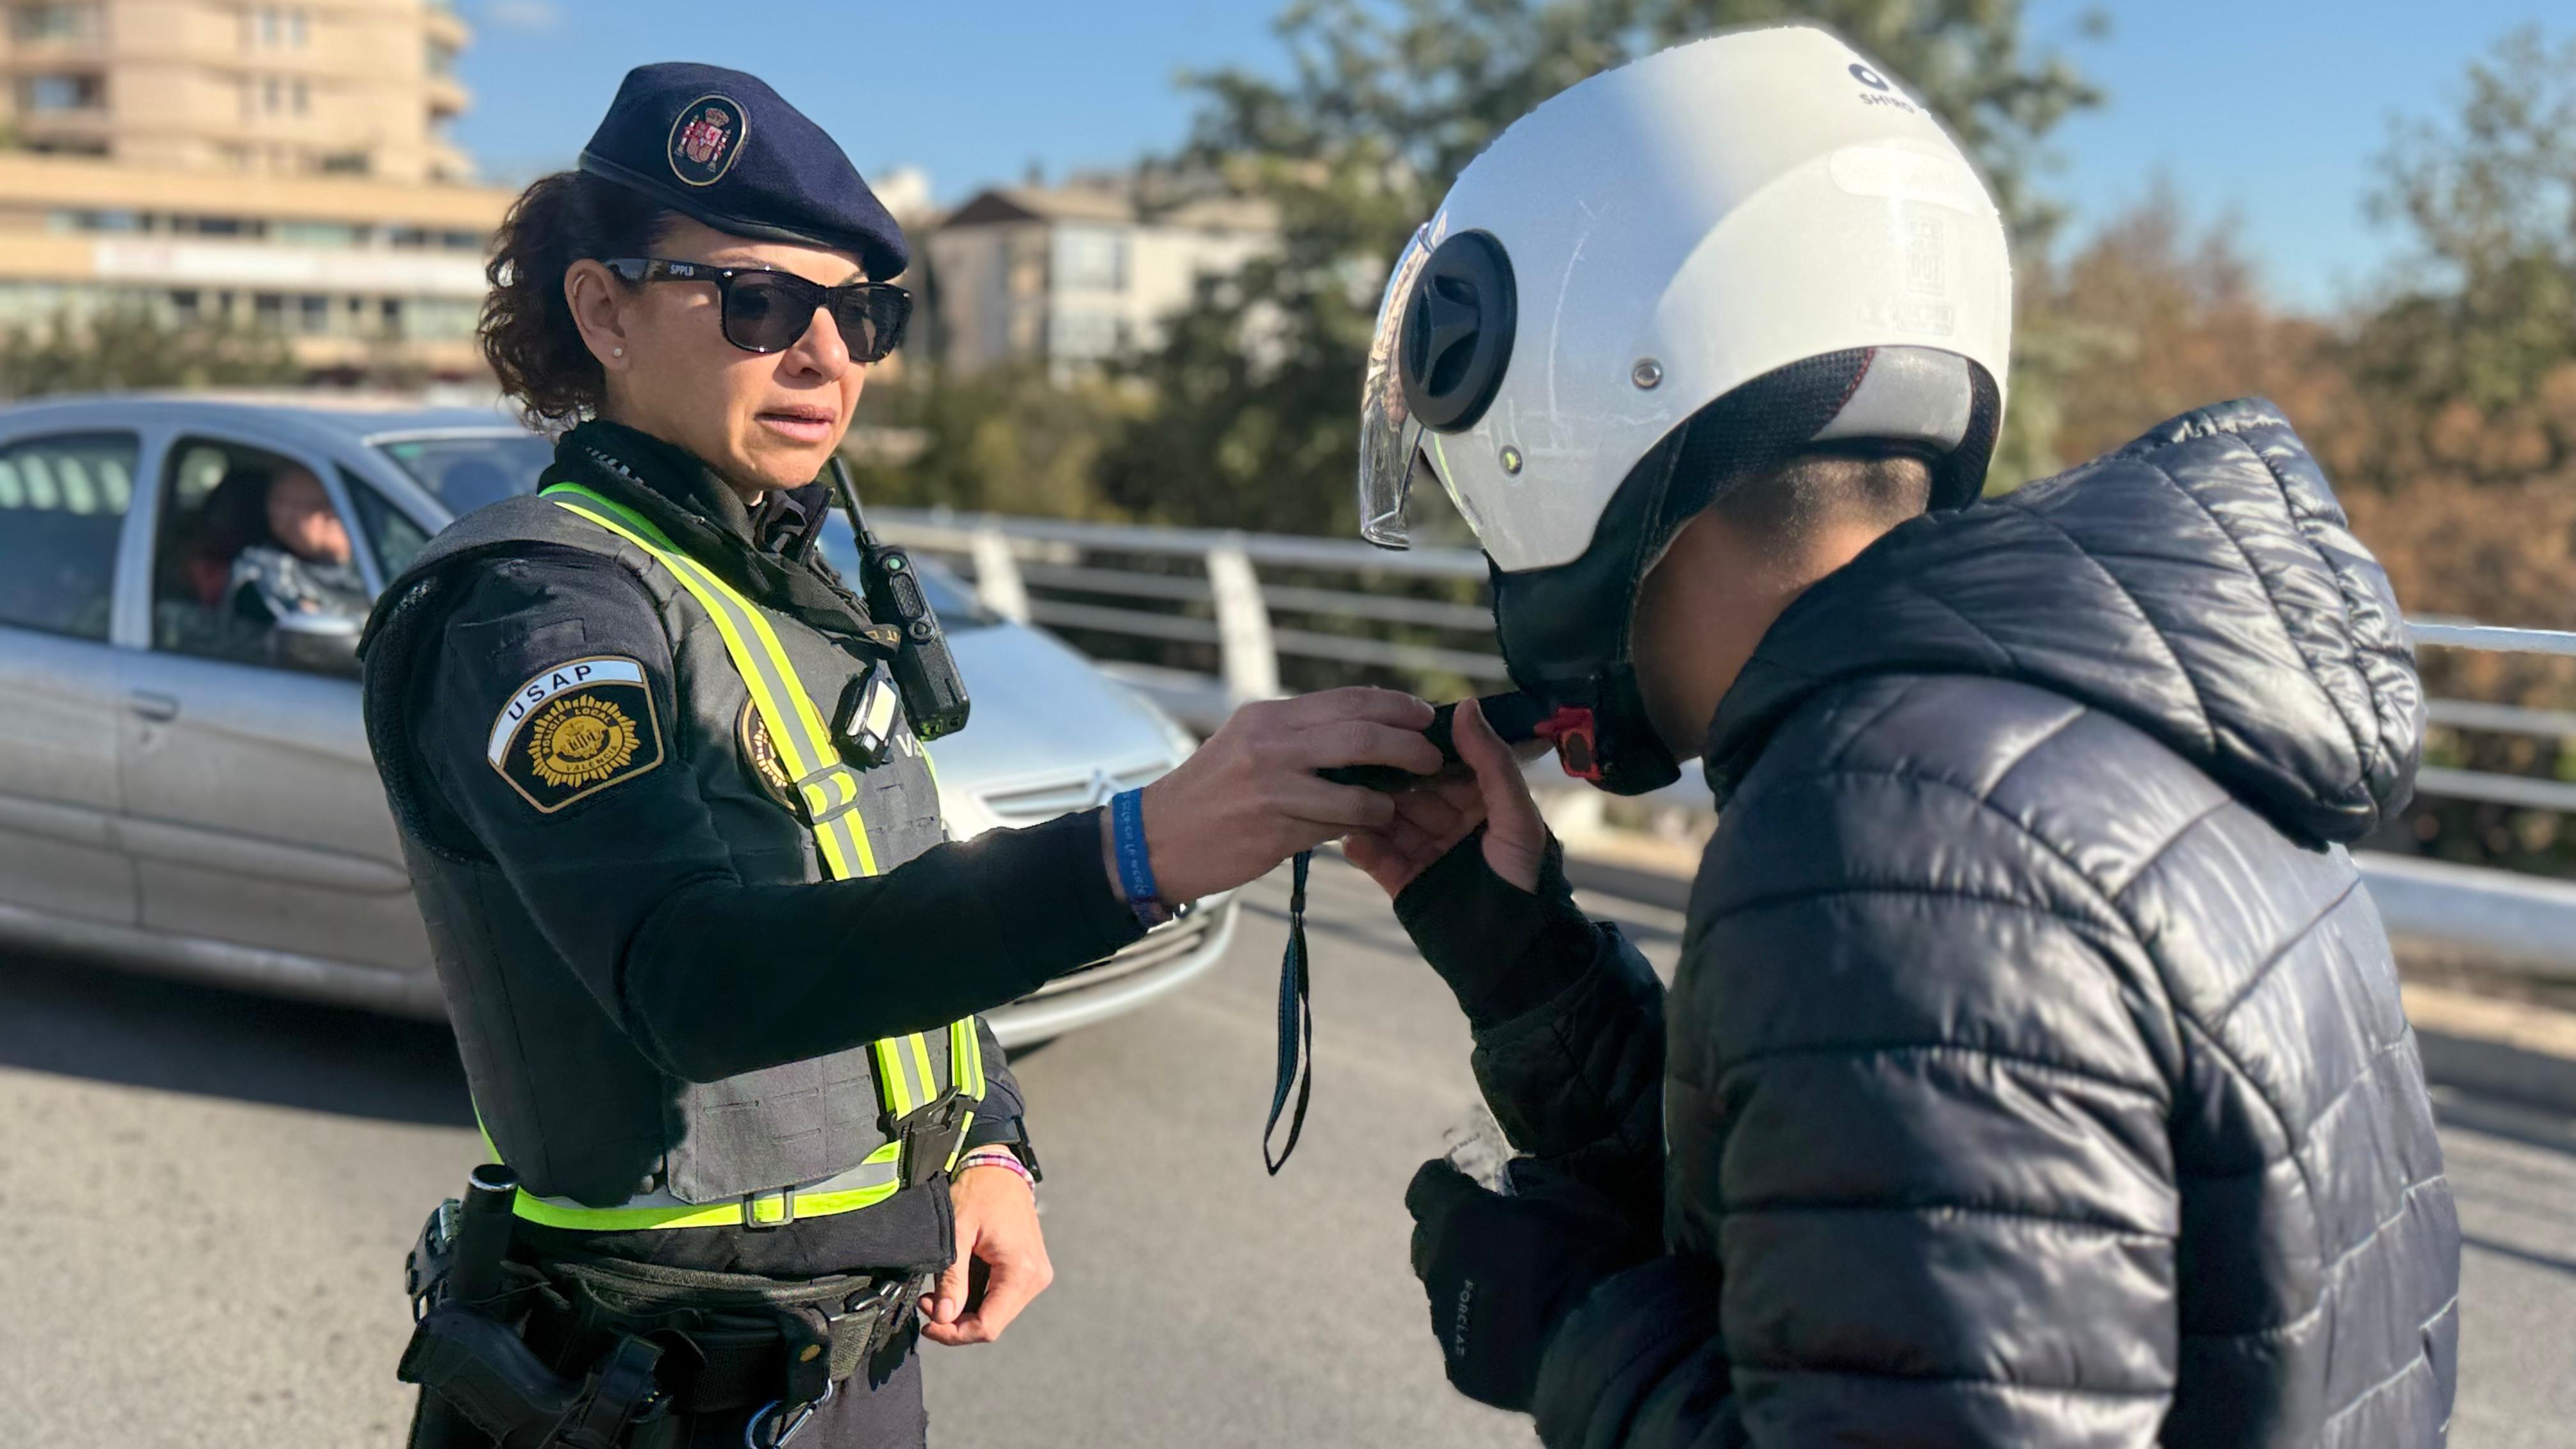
column 709, row 975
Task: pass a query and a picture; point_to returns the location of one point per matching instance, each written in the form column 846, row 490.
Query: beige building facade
column 347, row 87
column 282, row 165
column 1073, row 276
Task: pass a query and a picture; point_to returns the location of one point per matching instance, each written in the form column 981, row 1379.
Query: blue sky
column 2268, row 111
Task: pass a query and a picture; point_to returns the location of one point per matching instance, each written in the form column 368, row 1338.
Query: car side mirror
column 317, row 641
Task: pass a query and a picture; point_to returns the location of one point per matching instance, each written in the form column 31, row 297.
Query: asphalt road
column 205, row 1198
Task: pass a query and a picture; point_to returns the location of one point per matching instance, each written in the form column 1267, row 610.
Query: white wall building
column 1072, row 276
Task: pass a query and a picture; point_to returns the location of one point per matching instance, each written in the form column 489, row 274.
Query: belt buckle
column 930, row 1137
column 829, row 770
column 785, row 1197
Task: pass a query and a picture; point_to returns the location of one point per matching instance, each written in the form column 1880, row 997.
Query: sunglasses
column 766, row 311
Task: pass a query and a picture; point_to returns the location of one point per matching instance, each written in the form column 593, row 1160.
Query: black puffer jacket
column 2035, row 1072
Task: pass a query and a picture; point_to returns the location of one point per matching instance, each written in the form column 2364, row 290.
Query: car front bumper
column 1163, row 959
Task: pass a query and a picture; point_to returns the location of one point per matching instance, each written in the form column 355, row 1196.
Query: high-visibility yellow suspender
column 906, row 1078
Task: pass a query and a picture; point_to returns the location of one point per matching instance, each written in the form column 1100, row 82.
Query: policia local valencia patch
column 576, row 729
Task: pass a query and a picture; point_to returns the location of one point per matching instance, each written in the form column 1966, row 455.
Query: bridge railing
column 1249, row 615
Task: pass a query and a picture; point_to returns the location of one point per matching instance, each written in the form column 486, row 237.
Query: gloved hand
column 1503, row 1272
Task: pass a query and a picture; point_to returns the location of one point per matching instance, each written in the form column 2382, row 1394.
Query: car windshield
column 466, row 471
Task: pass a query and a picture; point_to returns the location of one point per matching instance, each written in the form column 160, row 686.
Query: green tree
column 128, row 345
column 1256, row 385
column 2474, row 353
column 1005, row 441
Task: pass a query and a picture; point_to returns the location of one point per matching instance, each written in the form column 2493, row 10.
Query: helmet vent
column 1458, row 327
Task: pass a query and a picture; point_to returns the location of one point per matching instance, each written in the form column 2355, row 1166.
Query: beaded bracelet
column 997, row 1155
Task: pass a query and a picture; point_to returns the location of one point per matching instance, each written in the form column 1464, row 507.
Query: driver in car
column 306, row 567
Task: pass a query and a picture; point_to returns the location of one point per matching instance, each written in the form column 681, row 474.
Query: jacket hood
column 2201, row 584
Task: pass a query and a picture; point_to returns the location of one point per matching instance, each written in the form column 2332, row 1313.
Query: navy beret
column 721, row 146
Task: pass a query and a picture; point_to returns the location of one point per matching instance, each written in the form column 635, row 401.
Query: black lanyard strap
column 1296, row 1025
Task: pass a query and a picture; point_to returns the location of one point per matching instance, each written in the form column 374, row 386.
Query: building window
column 313, row 315
column 295, row 28
column 1091, row 258
column 441, row 58
column 216, row 226
column 39, row 23
column 64, row 93
column 268, row 25
column 314, row 234
column 1082, row 337
column 441, row 318
column 303, row 98
column 95, row 221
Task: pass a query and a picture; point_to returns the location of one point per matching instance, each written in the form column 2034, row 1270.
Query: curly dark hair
column 527, row 328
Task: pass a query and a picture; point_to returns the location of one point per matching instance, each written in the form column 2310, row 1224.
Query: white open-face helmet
column 1664, row 281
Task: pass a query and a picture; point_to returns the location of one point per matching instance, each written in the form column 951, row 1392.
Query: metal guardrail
column 1210, row 591
column 1020, row 565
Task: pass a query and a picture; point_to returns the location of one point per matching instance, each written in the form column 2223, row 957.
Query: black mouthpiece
column 1514, row 716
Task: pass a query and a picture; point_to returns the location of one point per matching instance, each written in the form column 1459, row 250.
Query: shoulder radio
column 925, row 673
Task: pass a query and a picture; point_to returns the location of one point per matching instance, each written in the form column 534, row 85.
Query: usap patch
column 576, row 729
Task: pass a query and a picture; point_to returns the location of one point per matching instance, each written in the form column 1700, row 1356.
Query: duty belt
column 926, row 1116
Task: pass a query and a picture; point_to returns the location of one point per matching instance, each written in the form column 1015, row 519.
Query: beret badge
column 705, row 138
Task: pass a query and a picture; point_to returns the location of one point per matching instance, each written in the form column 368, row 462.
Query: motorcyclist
column 2034, row 1072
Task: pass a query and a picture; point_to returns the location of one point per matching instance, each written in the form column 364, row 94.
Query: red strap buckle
column 1577, row 749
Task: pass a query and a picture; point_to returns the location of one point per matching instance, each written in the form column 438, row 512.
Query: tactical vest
column 601, row 1137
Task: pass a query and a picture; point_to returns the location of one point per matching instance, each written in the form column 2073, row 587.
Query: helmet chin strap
column 1611, row 742
column 1566, row 634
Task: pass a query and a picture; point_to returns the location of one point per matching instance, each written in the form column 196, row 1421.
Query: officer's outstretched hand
column 1001, row 1259
column 1250, row 797
column 1435, row 815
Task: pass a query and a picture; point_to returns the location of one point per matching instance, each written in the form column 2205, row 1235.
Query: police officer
column 714, row 973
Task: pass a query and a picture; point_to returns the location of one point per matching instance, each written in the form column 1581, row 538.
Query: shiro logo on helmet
column 705, row 138
column 1880, row 93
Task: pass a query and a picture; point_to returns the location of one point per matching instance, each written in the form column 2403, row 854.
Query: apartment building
column 346, row 87
column 1073, row 276
column 288, row 165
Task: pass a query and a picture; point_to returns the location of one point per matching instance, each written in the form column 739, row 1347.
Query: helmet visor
column 1390, row 438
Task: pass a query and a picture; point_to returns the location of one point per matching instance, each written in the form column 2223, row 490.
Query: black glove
column 1503, row 1272
column 1503, row 950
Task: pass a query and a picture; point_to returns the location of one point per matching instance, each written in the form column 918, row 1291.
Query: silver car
column 187, row 790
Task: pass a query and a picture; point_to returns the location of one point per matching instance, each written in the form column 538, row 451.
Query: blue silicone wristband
column 1135, row 864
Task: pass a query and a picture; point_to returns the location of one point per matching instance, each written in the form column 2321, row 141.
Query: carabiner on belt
column 752, row 1434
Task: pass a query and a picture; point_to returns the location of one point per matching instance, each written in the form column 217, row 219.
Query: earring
column 617, row 352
